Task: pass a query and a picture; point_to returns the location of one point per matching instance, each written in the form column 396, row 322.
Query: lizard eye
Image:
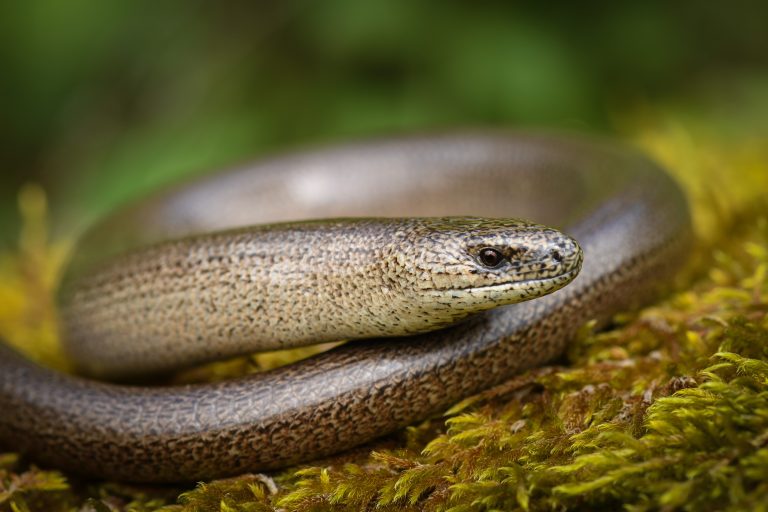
column 489, row 257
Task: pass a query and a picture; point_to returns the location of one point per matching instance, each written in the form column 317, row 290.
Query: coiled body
column 629, row 217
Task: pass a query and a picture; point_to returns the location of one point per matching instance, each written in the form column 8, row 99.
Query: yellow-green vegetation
column 667, row 410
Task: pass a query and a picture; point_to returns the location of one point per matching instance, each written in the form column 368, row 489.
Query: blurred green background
column 103, row 100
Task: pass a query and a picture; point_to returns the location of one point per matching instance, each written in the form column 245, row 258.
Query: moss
column 24, row 489
column 667, row 410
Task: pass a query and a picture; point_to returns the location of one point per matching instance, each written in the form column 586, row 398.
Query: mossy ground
column 667, row 410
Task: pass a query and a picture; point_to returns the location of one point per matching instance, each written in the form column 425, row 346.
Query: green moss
column 29, row 489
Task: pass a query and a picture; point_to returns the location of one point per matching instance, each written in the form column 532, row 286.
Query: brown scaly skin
column 629, row 217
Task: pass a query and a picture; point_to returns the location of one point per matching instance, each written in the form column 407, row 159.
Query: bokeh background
column 101, row 101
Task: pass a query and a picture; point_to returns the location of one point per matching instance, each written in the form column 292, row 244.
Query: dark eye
column 557, row 256
column 490, row 258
